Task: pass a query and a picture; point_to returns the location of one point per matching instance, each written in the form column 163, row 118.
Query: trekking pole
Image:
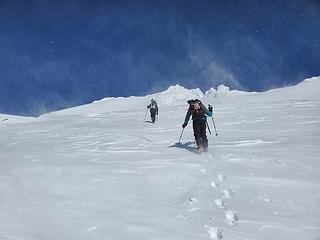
column 145, row 114
column 208, row 127
column 181, row 135
column 214, row 125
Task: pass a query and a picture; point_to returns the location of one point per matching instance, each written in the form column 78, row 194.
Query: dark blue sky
column 56, row 54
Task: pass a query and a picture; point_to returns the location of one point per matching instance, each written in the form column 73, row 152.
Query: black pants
column 199, row 131
column 153, row 114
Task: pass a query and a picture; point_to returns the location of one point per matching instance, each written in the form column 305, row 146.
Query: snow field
column 100, row 171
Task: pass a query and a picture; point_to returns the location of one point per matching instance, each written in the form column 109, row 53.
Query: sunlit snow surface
column 100, row 171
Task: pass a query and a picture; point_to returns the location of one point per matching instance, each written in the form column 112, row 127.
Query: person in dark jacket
column 153, row 109
column 199, row 115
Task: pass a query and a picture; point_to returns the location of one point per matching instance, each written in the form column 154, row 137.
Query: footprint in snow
column 227, row 193
column 192, row 200
column 231, row 216
column 215, row 233
column 221, row 177
column 214, row 185
column 219, row 203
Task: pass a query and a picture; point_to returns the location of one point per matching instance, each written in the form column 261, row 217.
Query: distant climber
column 199, row 115
column 153, row 110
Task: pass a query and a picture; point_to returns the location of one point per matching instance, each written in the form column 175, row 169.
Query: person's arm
column 207, row 112
column 186, row 119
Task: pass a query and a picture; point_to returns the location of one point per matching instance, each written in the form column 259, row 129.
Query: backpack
column 196, row 108
column 153, row 105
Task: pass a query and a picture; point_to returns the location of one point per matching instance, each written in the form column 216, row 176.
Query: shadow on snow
column 190, row 146
column 148, row 121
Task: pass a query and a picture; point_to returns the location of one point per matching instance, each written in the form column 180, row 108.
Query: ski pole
column 145, row 114
column 181, row 135
column 214, row 125
column 208, row 127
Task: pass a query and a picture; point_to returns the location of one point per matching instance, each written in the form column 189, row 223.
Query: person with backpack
column 199, row 115
column 153, row 110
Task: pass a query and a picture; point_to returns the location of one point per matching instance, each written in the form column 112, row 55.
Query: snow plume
column 210, row 71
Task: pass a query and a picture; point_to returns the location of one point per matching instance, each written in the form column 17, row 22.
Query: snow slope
column 99, row 171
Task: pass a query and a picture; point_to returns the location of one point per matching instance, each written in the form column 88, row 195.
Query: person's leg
column 153, row 115
column 197, row 134
column 204, row 136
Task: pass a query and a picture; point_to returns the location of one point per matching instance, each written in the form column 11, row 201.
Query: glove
column 184, row 125
column 210, row 108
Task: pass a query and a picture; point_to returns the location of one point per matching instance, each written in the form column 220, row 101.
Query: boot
column 200, row 148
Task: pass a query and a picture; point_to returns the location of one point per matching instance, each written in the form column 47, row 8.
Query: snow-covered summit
column 308, row 89
column 211, row 92
column 174, row 95
column 312, row 79
column 222, row 90
column 177, row 93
